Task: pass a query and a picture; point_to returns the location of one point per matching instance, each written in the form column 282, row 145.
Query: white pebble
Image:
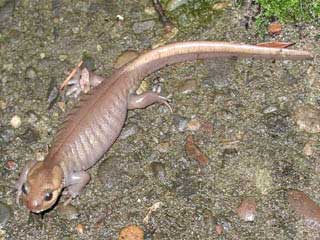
column 15, row 121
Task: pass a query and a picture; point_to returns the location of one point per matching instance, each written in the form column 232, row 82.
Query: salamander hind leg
column 82, row 81
column 146, row 99
column 76, row 182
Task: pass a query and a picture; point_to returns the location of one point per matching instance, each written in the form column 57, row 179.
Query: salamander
column 92, row 127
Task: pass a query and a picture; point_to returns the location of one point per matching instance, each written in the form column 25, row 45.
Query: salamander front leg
column 76, row 182
column 146, row 99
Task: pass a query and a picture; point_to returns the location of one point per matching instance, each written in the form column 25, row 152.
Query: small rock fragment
column 141, row 27
column 188, row 86
column 144, row 85
column 110, row 174
column 125, row 58
column 194, row 152
column 219, row 229
column 158, row 170
column 10, row 165
column 3, row 104
column 309, row 148
column 63, row 57
column 15, row 121
column 247, row 209
column 68, row 212
column 127, row 132
column 207, row 127
column 270, row 109
column 80, row 228
column 152, row 209
column 308, row 118
column 263, row 181
column 305, row 207
column 180, row 122
column 174, row 4
column 193, row 125
column 5, row 214
column 163, row 147
column 62, row 106
column 131, row 232
column 221, row 5
column 31, row 73
column 274, row 28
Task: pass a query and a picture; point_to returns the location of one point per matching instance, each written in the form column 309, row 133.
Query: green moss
column 289, row 10
column 192, row 14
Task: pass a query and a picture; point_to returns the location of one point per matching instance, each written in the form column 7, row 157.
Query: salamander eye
column 24, row 189
column 48, row 196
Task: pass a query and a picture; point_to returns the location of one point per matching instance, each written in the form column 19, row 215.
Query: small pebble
column 131, row 232
column 3, row 105
column 8, row 67
column 5, row 214
column 247, row 209
column 68, row 212
column 174, row 4
column 193, row 125
column 125, row 58
column 39, row 155
column 308, row 118
column 163, row 147
column 219, row 229
column 264, row 181
column 221, row 5
column 110, row 174
column 181, row 122
column 274, row 28
column 207, row 127
column 141, row 27
column 75, row 30
column 10, row 165
column 99, row 48
column 188, row 86
column 304, row 207
column 158, row 171
column 31, row 73
column 63, row 57
column 15, row 121
column 80, row 228
column 120, row 18
column 62, row 106
column 309, row 148
column 127, row 132
column 144, row 85
column 270, row 109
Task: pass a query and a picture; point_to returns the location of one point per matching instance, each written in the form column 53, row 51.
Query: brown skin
column 42, row 188
column 91, row 129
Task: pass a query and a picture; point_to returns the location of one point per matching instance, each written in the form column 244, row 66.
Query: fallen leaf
column 194, row 152
column 275, row 44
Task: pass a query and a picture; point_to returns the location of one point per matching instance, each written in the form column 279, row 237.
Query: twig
column 65, row 82
column 168, row 26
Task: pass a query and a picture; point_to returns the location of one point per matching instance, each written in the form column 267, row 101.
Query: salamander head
column 42, row 188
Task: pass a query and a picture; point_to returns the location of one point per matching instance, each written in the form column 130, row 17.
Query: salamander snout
column 42, row 187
